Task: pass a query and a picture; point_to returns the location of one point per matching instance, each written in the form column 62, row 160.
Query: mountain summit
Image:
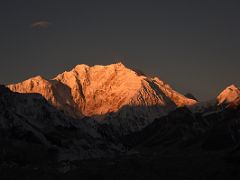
column 230, row 95
column 106, row 90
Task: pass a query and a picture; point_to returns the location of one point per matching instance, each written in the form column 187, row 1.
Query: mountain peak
column 229, row 94
column 117, row 64
column 120, row 64
column 37, row 78
column 81, row 66
column 102, row 90
column 233, row 87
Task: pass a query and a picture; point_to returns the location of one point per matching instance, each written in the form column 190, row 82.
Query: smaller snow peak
column 37, row 78
column 229, row 94
column 232, row 87
column 34, row 81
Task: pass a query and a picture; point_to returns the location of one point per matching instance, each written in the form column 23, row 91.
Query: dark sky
column 192, row 45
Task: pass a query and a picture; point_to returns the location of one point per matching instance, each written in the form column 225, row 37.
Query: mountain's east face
column 230, row 95
column 106, row 90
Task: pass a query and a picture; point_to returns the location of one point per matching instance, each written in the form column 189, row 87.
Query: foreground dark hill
column 185, row 132
column 182, row 145
column 32, row 130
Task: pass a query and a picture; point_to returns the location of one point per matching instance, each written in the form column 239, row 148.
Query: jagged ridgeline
column 113, row 94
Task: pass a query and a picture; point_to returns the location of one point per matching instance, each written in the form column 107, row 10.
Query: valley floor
column 212, row 166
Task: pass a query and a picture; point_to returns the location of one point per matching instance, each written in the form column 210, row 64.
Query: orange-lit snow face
column 229, row 95
column 100, row 90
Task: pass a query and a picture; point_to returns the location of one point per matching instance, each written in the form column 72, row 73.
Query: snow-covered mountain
column 114, row 94
column 105, row 111
column 28, row 120
column 229, row 96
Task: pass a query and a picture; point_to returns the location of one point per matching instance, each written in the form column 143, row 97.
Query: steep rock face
column 108, row 93
column 229, row 95
column 179, row 99
column 101, row 89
